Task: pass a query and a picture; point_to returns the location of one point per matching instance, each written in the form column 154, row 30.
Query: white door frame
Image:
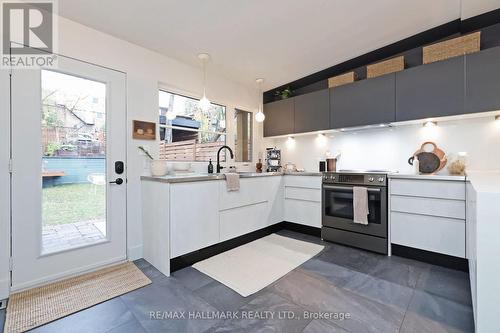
column 29, row 267
column 5, row 181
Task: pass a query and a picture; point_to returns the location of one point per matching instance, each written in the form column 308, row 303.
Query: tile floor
column 381, row 294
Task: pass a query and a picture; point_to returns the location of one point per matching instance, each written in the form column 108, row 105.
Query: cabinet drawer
column 303, row 181
column 303, row 212
column 250, row 193
column 239, row 221
column 300, row 193
column 429, row 206
column 428, row 188
column 430, row 233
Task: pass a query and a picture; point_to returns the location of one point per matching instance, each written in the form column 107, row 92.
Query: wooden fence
column 190, row 150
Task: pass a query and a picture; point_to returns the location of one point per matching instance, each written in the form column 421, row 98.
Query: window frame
column 173, row 92
column 252, row 132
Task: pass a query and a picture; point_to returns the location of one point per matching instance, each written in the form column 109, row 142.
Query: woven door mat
column 38, row 306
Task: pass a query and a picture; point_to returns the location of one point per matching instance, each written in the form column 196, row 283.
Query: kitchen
column 337, row 176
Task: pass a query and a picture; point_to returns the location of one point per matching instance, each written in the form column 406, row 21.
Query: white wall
column 390, row 148
column 146, row 70
column 472, row 8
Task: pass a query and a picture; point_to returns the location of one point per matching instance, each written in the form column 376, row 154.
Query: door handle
column 117, row 181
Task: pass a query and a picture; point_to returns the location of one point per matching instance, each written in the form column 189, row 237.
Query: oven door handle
column 330, row 187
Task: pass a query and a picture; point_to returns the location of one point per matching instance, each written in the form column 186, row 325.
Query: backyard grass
column 73, row 203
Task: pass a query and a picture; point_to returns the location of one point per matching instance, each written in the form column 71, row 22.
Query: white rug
column 253, row 266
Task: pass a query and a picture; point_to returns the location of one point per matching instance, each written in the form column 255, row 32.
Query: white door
column 68, row 131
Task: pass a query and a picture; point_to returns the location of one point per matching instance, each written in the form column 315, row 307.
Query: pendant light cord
column 204, row 77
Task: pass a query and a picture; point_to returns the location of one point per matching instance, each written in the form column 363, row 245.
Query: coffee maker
column 273, row 160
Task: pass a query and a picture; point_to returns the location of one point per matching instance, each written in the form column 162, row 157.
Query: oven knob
column 332, row 177
column 381, row 179
column 325, row 177
column 371, row 179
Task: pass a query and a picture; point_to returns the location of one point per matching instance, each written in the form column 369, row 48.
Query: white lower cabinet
column 204, row 213
column 194, row 216
column 303, row 200
column 428, row 215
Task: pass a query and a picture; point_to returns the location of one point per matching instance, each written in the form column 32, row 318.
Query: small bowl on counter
column 158, row 168
column 181, row 166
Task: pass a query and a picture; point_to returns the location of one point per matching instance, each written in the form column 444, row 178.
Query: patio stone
column 61, row 237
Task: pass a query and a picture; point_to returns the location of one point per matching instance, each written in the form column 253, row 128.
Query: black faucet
column 218, row 157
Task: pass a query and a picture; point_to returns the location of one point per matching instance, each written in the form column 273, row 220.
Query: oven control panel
column 355, row 178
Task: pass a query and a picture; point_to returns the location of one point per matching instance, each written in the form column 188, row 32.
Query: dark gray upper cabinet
column 366, row 102
column 312, row 112
column 279, row 117
column 482, row 81
column 432, row 90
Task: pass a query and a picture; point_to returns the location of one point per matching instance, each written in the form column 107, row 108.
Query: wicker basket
column 385, row 67
column 341, row 79
column 452, row 48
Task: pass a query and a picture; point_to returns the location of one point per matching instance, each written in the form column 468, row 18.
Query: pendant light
column 260, row 116
column 204, row 103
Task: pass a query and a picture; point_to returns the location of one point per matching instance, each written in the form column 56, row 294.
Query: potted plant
column 285, row 93
column 158, row 168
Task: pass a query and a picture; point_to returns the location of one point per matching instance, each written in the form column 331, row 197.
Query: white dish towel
column 232, row 182
column 360, row 203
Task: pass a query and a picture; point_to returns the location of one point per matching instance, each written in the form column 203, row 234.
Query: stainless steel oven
column 338, row 210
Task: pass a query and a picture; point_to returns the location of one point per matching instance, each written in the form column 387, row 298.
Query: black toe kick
column 438, row 259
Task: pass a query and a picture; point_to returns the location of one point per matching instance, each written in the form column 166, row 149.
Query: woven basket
column 452, row 48
column 342, row 79
column 385, row 67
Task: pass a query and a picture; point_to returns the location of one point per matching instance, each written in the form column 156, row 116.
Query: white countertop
column 427, row 177
column 485, row 181
column 196, row 177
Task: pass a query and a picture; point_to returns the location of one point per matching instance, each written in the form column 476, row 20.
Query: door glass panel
column 73, row 162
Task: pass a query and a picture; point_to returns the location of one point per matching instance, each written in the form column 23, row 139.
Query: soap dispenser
column 210, row 167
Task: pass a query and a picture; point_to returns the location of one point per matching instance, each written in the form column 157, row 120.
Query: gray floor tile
column 304, row 237
column 430, row 313
column 317, row 295
column 141, row 263
column 359, row 260
column 192, row 278
column 99, row 318
column 279, row 315
column 365, row 285
column 149, row 270
column 448, row 283
column 380, row 290
column 168, row 296
column 335, row 274
column 398, row 271
column 131, row 327
column 221, row 297
column 322, row 326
